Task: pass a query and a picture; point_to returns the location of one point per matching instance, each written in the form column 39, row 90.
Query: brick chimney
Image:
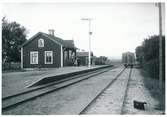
column 51, row 32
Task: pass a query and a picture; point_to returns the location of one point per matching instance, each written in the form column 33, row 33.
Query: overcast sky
column 116, row 27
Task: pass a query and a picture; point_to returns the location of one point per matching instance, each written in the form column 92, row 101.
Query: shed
column 82, row 58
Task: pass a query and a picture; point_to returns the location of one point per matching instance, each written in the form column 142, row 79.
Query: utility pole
column 160, row 46
column 89, row 33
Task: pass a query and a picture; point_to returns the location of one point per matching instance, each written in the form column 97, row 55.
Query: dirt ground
column 13, row 82
column 70, row 100
column 144, row 89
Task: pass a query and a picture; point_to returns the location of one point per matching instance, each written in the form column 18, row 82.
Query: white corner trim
column 61, row 56
column 22, row 58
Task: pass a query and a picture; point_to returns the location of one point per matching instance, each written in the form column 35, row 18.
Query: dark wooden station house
column 47, row 51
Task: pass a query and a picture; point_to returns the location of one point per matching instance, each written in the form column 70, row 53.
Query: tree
column 140, row 55
column 13, row 35
column 151, row 48
column 148, row 55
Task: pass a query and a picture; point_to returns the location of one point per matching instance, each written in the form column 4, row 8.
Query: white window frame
column 51, row 57
column 41, row 43
column 31, row 54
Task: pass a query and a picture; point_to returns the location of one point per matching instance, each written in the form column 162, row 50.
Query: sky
column 116, row 27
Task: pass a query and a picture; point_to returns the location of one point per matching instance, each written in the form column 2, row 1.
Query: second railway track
column 86, row 109
column 19, row 98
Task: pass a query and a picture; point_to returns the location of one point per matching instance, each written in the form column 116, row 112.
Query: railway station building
column 47, row 51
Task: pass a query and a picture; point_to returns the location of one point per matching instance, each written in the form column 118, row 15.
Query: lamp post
column 90, row 33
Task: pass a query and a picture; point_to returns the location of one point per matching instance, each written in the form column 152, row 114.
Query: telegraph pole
column 90, row 33
column 160, row 46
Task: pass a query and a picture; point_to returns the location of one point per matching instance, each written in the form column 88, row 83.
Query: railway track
column 24, row 96
column 122, row 109
column 83, row 111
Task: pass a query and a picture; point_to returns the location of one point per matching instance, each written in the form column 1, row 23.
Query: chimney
column 51, row 32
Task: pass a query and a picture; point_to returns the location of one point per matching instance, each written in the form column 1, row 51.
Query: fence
column 11, row 66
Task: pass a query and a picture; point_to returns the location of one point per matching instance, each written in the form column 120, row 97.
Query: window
column 48, row 57
column 40, row 43
column 34, row 57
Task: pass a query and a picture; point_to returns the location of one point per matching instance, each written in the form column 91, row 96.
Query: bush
column 152, row 67
column 11, row 66
column 147, row 55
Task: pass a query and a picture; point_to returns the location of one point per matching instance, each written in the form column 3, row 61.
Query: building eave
column 32, row 38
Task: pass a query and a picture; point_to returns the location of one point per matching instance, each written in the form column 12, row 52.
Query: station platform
column 13, row 82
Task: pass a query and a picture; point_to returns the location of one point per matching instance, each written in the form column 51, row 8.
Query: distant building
column 83, row 58
column 128, row 58
column 47, row 51
column 100, row 60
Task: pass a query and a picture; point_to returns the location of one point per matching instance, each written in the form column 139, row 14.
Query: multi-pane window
column 40, row 43
column 34, row 57
column 48, row 57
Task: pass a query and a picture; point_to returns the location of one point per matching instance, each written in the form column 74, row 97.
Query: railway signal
column 90, row 33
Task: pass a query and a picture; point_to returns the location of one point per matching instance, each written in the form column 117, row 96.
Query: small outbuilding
column 47, row 51
column 82, row 58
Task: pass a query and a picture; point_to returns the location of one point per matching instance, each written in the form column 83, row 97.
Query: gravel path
column 137, row 91
column 70, row 100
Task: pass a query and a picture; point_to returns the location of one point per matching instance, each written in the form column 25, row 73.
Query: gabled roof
column 64, row 43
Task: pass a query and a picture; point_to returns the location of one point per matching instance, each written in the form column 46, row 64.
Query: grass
column 152, row 84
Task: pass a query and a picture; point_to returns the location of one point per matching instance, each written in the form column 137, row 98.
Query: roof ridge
column 52, row 36
column 65, row 43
